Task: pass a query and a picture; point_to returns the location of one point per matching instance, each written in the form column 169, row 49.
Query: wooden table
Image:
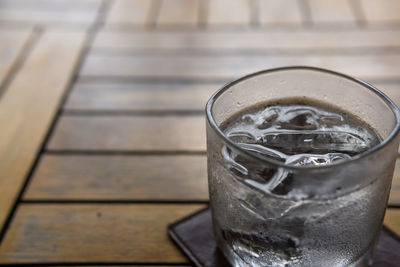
column 101, row 110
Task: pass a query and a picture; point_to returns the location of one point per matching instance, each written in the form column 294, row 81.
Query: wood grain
column 29, row 105
column 381, row 11
column 371, row 66
column 279, row 12
column 331, row 11
column 49, row 11
column 392, row 220
column 228, row 12
column 122, row 233
column 93, row 233
column 140, row 96
column 142, row 133
column 134, row 12
column 11, row 45
column 250, row 40
column 179, row 12
column 120, row 177
column 131, row 177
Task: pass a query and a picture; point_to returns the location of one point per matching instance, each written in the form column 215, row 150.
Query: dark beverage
column 296, row 131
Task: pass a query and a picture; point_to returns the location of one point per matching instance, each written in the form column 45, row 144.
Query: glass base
column 236, row 261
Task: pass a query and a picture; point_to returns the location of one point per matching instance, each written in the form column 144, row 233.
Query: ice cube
column 315, row 159
column 230, row 161
column 331, row 120
column 265, row 151
column 315, row 141
column 268, row 121
column 242, row 136
column 299, row 119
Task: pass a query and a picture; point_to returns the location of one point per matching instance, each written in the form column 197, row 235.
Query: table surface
column 101, row 110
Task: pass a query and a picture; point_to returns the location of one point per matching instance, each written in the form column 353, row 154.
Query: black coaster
column 194, row 235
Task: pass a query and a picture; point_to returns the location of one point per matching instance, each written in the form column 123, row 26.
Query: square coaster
column 194, row 235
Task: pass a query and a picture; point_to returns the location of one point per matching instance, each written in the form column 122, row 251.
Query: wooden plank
column 179, row 12
column 395, row 191
column 290, row 41
column 387, row 11
column 11, row 45
column 392, row 220
column 371, row 66
column 49, row 11
column 279, row 12
column 124, row 233
column 28, row 106
column 120, row 177
column 331, row 11
column 88, row 177
column 77, row 233
column 140, row 96
column 143, row 133
column 129, row 12
column 228, row 12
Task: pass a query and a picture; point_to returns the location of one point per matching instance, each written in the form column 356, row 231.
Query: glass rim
column 264, row 159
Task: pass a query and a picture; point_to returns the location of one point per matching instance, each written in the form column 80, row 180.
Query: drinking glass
column 331, row 215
